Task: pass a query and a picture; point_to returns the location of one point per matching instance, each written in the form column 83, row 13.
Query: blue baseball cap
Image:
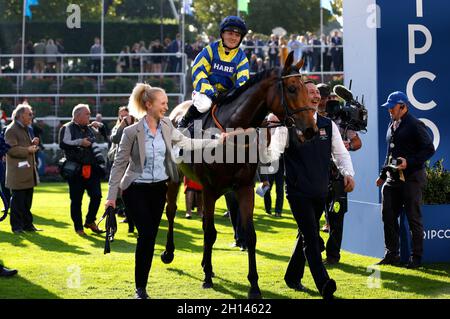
column 395, row 98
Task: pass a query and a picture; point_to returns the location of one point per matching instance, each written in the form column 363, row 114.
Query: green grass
column 56, row 263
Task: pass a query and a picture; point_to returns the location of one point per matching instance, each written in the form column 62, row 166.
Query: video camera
column 353, row 114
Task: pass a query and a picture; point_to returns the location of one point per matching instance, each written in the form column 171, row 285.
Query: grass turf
column 57, row 263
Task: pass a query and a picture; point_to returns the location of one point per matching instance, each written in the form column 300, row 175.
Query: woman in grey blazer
column 142, row 166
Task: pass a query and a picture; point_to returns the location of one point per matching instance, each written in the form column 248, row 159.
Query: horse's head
column 288, row 100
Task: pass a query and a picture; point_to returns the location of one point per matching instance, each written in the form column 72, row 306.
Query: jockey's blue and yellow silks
column 214, row 71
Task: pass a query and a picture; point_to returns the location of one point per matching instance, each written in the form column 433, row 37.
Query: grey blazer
column 130, row 157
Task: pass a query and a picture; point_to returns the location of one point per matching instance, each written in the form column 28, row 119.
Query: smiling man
column 219, row 67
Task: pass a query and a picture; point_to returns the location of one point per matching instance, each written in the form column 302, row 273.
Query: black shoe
column 32, row 229
column 141, row 293
column 268, row 212
column 328, row 289
column 243, row 247
column 5, row 272
column 191, row 114
column 331, row 261
column 296, row 286
column 414, row 262
column 389, row 260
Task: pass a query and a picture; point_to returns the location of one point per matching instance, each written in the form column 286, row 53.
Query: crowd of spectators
column 323, row 53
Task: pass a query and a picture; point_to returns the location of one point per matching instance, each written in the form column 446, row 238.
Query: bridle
column 289, row 120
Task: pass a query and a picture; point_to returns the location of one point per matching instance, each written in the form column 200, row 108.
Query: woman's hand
column 110, row 202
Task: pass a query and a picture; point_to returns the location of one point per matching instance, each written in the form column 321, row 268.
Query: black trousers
column 145, row 204
column 278, row 179
column 306, row 212
column 235, row 218
column 337, row 198
column 397, row 196
column 21, row 217
column 77, row 186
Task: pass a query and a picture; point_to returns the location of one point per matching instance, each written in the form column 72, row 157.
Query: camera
column 98, row 155
column 394, row 162
column 352, row 114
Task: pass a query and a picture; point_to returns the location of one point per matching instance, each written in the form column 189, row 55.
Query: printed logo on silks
column 323, row 134
column 223, row 68
column 337, row 207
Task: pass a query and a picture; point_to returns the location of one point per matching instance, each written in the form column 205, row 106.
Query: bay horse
column 280, row 91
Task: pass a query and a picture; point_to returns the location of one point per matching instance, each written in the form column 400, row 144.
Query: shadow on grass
column 44, row 242
column 54, row 189
column 39, row 220
column 221, row 284
column 17, row 287
column 406, row 281
column 117, row 246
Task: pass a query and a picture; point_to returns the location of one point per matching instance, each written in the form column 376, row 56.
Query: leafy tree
column 209, row 13
column 49, row 10
column 296, row 16
column 337, row 7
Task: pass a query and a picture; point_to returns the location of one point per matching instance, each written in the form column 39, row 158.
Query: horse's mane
column 236, row 92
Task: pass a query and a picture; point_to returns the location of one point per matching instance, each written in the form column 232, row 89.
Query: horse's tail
column 179, row 110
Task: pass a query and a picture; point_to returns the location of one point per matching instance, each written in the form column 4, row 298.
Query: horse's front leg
column 171, row 209
column 210, row 235
column 246, row 198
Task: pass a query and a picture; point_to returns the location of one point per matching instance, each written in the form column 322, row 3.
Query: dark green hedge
column 78, row 85
column 437, row 190
column 6, row 86
column 38, row 86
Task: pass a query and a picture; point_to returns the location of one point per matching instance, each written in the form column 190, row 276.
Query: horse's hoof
column 254, row 294
column 166, row 257
column 207, row 285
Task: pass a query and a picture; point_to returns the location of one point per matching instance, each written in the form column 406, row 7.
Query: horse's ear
column 288, row 62
column 300, row 63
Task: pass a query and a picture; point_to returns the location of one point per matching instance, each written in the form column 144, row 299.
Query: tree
column 49, row 10
column 337, row 7
column 296, row 16
column 209, row 13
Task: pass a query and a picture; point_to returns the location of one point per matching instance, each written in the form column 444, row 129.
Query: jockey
column 219, row 67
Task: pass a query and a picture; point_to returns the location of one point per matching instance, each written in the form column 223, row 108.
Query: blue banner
column 29, row 3
column 412, row 54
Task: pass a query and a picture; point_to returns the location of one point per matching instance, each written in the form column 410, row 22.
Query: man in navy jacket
column 409, row 146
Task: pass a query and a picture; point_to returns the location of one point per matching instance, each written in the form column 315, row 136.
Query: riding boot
column 191, row 114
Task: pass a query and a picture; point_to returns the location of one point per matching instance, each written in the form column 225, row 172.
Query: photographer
column 124, row 120
column 76, row 138
column 337, row 202
column 409, row 146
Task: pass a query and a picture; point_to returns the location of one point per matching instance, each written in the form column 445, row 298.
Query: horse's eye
column 292, row 89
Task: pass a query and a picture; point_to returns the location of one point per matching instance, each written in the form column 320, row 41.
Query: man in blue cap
column 403, row 177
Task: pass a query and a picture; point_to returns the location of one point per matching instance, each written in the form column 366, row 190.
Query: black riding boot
column 191, row 114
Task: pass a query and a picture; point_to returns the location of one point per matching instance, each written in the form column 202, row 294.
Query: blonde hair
column 142, row 93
